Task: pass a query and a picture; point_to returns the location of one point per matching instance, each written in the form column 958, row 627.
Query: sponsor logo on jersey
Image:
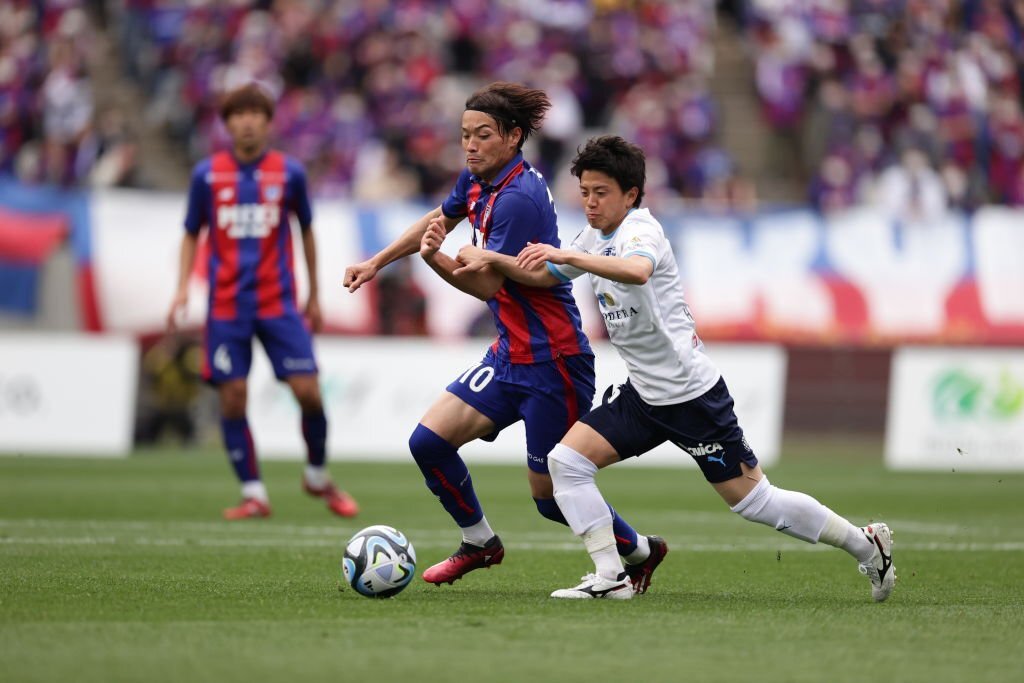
column 248, row 220
column 606, row 300
column 608, row 251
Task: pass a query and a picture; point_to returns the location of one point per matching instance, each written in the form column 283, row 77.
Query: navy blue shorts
column 227, row 347
column 705, row 427
column 548, row 397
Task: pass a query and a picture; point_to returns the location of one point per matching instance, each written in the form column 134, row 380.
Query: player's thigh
column 555, row 395
column 475, row 405
column 456, row 421
column 288, row 344
column 227, row 350
column 707, row 429
column 619, row 428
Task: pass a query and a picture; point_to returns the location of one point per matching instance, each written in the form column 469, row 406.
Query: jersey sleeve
column 641, row 239
column 300, row 203
column 515, row 222
column 455, row 205
column 197, row 214
column 564, row 271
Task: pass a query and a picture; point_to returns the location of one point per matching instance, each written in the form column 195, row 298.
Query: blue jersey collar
column 501, row 176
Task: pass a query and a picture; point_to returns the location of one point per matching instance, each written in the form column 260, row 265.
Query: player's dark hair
column 249, row 97
column 513, row 106
column 616, row 158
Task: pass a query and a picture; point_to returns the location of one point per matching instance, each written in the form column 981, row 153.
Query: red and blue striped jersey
column 247, row 209
column 534, row 324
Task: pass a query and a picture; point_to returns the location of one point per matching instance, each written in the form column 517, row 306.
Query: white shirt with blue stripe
column 650, row 325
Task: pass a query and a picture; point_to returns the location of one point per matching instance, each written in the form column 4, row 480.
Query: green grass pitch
column 123, row 571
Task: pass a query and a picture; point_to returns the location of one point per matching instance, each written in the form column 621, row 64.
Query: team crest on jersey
column 226, row 194
column 272, row 193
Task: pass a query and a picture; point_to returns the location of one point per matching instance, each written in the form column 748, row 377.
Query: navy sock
column 240, row 448
column 548, row 508
column 625, row 535
column 314, row 431
column 446, row 475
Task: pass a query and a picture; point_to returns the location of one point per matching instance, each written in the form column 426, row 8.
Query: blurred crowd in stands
column 52, row 129
column 912, row 105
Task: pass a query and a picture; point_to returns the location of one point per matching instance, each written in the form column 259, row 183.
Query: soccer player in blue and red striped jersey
column 540, row 369
column 245, row 198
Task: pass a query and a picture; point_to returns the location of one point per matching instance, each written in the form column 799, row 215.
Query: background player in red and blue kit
column 245, row 197
column 540, row 369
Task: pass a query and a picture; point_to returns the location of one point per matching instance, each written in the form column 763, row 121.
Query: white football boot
column 594, row 586
column 879, row 568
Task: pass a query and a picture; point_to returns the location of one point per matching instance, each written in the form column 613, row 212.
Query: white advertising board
column 67, row 394
column 956, row 409
column 376, row 390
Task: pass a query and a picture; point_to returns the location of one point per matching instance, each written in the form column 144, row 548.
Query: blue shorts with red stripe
column 548, row 397
column 227, row 352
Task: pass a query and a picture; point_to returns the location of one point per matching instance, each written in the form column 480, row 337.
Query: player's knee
column 232, row 400
column 549, row 509
column 568, row 466
column 426, row 446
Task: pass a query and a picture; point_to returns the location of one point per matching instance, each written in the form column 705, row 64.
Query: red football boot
column 464, row 560
column 640, row 574
column 250, row 508
column 338, row 502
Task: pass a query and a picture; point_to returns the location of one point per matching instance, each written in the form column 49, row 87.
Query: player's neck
column 247, row 155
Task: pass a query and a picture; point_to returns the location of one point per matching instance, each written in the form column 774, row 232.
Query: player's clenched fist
column 358, row 274
column 432, row 238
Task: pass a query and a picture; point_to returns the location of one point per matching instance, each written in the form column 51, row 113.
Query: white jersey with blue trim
column 650, row 325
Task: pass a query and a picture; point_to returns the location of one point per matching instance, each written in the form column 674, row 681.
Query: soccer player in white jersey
column 674, row 391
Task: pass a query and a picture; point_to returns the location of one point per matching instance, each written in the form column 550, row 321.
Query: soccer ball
column 379, row 562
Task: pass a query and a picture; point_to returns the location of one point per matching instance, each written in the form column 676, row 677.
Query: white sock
column 478, row 534
column 584, row 508
column 641, row 552
column 840, row 533
column 600, row 543
column 791, row 512
column 255, row 489
column 575, row 491
column 317, row 477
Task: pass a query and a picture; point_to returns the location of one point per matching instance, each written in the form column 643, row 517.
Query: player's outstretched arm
column 472, row 258
column 186, row 258
column 631, row 270
column 483, row 283
column 406, row 244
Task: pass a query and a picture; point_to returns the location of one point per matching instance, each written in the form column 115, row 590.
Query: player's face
column 604, row 202
column 487, row 152
column 249, row 130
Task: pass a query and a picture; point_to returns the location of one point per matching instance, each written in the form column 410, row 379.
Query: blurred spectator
column 936, row 75
column 169, row 383
column 394, row 72
column 47, row 105
column 911, row 190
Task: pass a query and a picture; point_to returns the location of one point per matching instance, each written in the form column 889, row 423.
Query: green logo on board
column 962, row 394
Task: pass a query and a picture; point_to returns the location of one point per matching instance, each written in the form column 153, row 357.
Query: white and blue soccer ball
column 379, row 562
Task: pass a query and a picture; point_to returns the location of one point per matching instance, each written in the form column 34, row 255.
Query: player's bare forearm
column 309, row 250
column 408, row 243
column 507, row 266
column 186, row 259
column 633, row 270
column 483, row 283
